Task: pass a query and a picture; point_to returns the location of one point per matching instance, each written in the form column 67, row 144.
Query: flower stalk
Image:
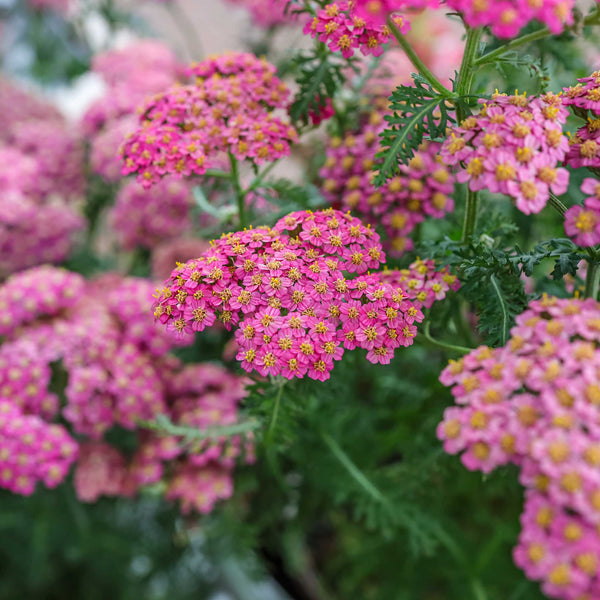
column 415, row 59
column 240, row 195
column 464, row 85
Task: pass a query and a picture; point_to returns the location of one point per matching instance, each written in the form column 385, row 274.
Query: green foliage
column 417, row 112
column 320, row 74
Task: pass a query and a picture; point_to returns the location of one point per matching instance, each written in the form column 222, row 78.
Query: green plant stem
column 464, row 85
column 352, row 469
column 260, row 177
column 557, row 205
column 592, row 278
column 466, row 73
column 214, row 173
column 442, row 345
column 414, row 58
column 164, row 426
column 592, row 19
column 276, row 405
column 240, row 195
column 470, row 219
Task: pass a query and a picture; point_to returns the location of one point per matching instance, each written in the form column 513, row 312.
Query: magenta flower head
column 506, row 18
column 228, row 109
column 41, row 291
column 535, row 403
column 513, row 147
column 347, row 26
column 421, row 188
column 584, row 146
column 32, row 450
column 298, row 295
column 585, row 96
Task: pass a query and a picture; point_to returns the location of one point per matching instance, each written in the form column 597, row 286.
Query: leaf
column 321, row 75
column 418, row 112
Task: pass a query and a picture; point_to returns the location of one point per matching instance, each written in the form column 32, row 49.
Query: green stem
column 214, row 173
column 557, row 205
column 414, row 58
column 470, row 219
column 442, row 345
column 164, row 426
column 276, row 405
column 353, row 470
column 464, row 85
column 240, row 196
column 466, row 74
column 260, row 177
column 592, row 19
column 592, row 279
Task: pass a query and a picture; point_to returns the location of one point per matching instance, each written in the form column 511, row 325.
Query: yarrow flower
column 421, row 282
column 32, row 450
column 227, row 110
column 298, row 295
column 41, row 178
column 584, row 99
column 119, row 373
column 582, row 223
column 420, row 189
column 347, row 26
column 513, row 147
column 507, row 17
column 534, row 403
column 146, row 217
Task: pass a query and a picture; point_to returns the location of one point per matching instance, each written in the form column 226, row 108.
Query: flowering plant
column 260, row 303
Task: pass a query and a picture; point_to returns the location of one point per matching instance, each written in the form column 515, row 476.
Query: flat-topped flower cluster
column 584, row 99
column 513, row 146
column 536, row 403
column 299, row 295
column 363, row 24
column 100, row 338
column 228, row 110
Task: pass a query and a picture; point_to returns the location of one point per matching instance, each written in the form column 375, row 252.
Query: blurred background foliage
column 351, row 495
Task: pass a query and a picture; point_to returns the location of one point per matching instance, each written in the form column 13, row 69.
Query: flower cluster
column 32, row 450
column 534, row 403
column 421, row 282
column 290, row 294
column 41, row 173
column 582, row 223
column 19, row 106
column 59, row 155
column 508, row 17
column 32, row 233
column 227, row 110
column 39, row 291
column 99, row 338
column 584, row 99
column 342, row 26
column 145, row 217
column 513, row 147
column 420, row 189
column 199, row 472
column 131, row 74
